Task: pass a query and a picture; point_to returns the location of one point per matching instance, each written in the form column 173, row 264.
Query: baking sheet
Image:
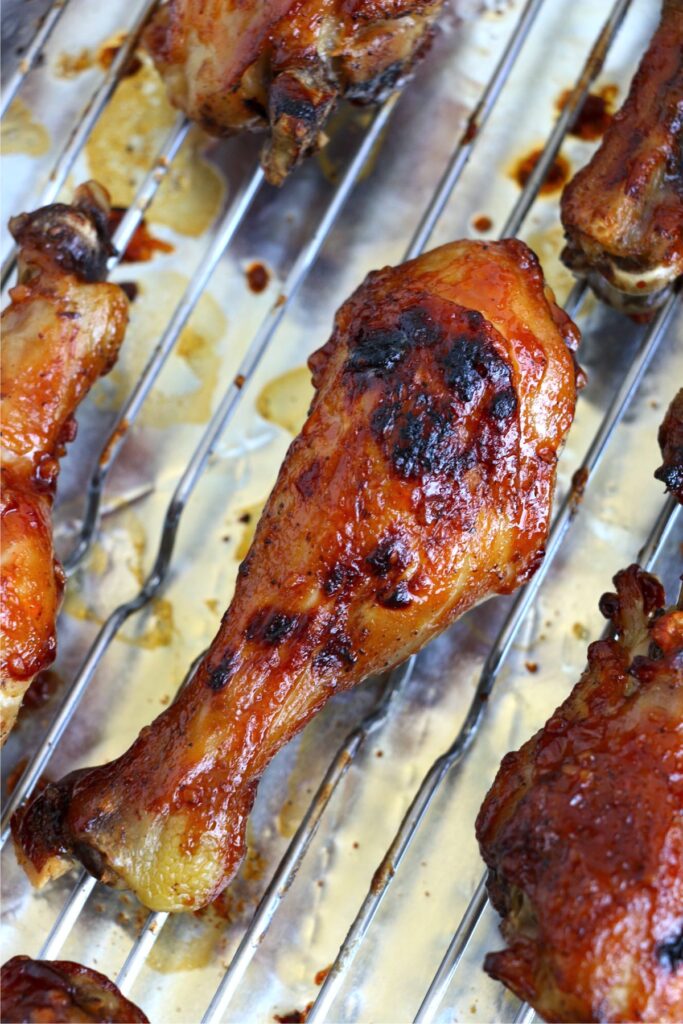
column 147, row 661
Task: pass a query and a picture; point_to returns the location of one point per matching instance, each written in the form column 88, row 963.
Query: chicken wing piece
column 671, row 443
column 281, row 66
column 582, row 830
column 61, row 331
column 420, row 484
column 61, row 991
column 623, row 213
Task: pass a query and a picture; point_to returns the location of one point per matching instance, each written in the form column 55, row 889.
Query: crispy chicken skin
column 623, row 213
column 61, row 991
column 61, row 331
column 582, row 830
column 280, row 66
column 420, row 484
column 671, row 444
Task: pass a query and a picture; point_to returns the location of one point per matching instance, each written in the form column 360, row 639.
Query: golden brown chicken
column 420, row 484
column 61, row 991
column 61, row 331
column 671, row 444
column 582, row 830
column 623, row 213
column 281, row 66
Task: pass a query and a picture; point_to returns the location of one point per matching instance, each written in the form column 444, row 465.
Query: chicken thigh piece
column 280, row 66
column 421, row 483
column 61, row 991
column 623, row 213
column 61, row 331
column 582, row 830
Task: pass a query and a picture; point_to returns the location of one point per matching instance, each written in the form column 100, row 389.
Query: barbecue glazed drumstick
column 671, row 444
column 582, row 830
column 61, row 331
column 281, row 66
column 420, row 484
column 59, row 990
column 623, row 213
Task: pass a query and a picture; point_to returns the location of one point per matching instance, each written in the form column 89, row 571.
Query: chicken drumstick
column 420, row 484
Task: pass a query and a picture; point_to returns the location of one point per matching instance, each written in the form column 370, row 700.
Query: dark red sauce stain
column 294, row 1016
column 257, row 277
column 555, row 179
column 593, row 119
column 321, row 975
column 482, row 223
column 143, row 245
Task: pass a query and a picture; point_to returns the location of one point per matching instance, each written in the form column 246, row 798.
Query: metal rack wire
column 376, row 718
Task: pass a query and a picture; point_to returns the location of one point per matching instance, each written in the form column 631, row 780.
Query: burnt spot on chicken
column 503, row 405
column 424, row 440
column 221, row 674
column 75, row 236
column 336, row 653
column 272, row 627
column 472, row 362
column 377, row 350
column 396, row 597
column 341, row 577
column 391, row 554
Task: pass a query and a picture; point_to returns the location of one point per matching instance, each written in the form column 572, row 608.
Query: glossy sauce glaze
column 281, row 66
column 61, row 331
column 36, row 991
column 623, row 212
column 420, row 484
column 582, row 830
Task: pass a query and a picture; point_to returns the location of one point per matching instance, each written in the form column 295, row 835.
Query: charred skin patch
column 379, row 349
column 420, row 438
column 391, row 553
column 446, row 392
column 272, row 627
column 396, row 597
column 472, row 362
column 221, row 674
column 340, row 577
column 336, row 653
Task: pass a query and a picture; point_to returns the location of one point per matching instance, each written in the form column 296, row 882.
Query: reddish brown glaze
column 623, row 213
column 61, row 331
column 420, row 484
column 582, row 830
column 671, row 444
column 37, row 991
column 281, row 65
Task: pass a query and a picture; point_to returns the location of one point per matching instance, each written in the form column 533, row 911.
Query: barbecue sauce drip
column 594, row 116
column 556, row 178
